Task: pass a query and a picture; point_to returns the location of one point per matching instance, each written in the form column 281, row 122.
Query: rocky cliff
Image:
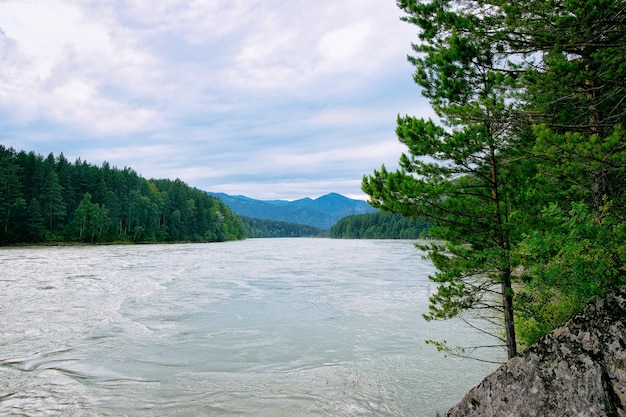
column 577, row 370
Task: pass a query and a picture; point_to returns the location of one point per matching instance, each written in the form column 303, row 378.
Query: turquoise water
column 262, row 327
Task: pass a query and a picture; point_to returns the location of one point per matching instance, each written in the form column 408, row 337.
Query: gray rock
column 578, row 370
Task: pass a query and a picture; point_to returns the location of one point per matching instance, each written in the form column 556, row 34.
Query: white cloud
column 214, row 92
column 194, row 21
column 298, row 44
column 342, row 46
column 60, row 64
column 44, row 30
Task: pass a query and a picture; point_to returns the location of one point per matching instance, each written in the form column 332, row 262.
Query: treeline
column 379, row 225
column 51, row 199
column 260, row 228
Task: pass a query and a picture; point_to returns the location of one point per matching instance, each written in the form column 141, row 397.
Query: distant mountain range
column 322, row 212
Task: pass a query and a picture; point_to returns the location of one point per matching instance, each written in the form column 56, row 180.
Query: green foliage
column 259, row 228
column 89, row 221
column 379, row 225
column 541, row 309
column 576, row 257
column 52, row 199
column 574, row 250
column 523, row 175
column 462, row 174
column 583, row 167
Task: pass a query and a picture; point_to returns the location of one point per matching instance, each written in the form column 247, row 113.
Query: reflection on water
column 263, row 327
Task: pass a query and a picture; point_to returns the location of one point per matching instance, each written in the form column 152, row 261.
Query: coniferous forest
column 379, row 225
column 52, row 199
column 262, row 228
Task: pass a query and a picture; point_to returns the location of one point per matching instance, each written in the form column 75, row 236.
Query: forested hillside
column 52, row 199
column 379, row 225
column 257, row 228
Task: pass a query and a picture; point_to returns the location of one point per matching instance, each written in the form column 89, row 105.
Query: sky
column 271, row 99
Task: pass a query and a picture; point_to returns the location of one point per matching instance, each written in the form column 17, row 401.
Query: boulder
column 578, row 370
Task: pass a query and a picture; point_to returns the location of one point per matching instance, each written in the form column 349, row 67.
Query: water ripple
column 264, row 327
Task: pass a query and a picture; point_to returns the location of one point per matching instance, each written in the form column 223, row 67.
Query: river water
column 260, row 327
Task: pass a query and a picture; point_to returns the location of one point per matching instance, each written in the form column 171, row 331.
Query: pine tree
column 52, row 202
column 530, row 99
column 11, row 200
column 574, row 54
column 460, row 174
column 34, row 220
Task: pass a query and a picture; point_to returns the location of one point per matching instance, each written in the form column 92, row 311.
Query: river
column 260, row 327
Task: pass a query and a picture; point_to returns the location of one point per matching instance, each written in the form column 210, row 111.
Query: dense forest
column 51, row 199
column 523, row 171
column 258, row 228
column 379, row 225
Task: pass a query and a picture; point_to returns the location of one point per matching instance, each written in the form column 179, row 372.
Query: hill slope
column 379, row 225
column 322, row 212
column 50, row 199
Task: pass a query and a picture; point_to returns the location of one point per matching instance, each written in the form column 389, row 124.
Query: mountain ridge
column 321, row 212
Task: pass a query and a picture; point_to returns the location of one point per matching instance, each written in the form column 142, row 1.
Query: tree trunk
column 595, row 121
column 507, row 303
column 503, row 244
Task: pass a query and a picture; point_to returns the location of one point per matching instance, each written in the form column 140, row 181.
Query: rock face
column 579, row 370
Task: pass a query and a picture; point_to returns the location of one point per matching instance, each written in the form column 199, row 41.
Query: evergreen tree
column 379, row 225
column 38, row 203
column 11, row 201
column 461, row 175
column 52, row 202
column 262, row 228
column 35, row 222
column 574, row 78
column 530, row 96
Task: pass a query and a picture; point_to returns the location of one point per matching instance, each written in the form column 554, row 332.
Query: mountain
column 322, row 212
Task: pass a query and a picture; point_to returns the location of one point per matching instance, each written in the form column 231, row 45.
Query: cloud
column 64, row 67
column 340, row 47
column 194, row 21
column 217, row 93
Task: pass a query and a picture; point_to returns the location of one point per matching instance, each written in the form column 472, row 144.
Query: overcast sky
column 272, row 99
